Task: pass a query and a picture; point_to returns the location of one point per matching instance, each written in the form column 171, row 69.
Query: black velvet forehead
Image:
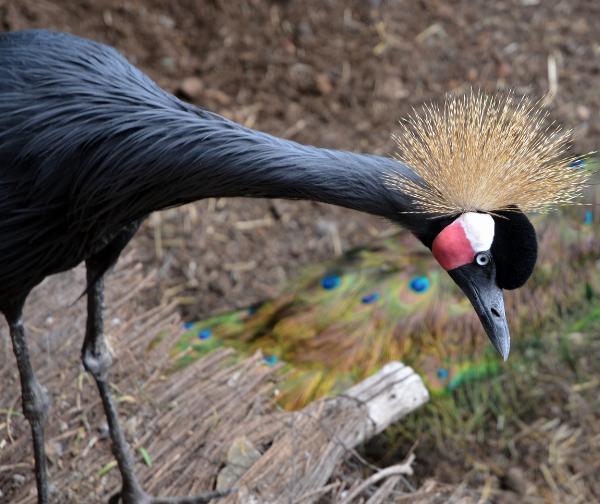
column 514, row 249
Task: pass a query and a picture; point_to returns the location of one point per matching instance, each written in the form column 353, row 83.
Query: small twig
column 383, row 492
column 11, row 411
column 403, row 468
column 552, row 80
column 12, row 467
column 318, row 491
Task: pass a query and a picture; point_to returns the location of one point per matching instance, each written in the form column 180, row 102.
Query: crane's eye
column 482, row 259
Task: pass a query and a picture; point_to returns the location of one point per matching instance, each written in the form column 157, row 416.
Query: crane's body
column 89, row 146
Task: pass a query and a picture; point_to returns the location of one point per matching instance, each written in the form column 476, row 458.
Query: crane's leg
column 97, row 361
column 34, row 397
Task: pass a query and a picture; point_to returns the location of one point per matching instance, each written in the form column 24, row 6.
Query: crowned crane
column 90, row 146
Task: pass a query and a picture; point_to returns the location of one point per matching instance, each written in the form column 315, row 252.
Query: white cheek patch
column 479, row 229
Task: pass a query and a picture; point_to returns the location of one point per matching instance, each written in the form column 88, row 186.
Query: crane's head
column 485, row 254
column 479, row 162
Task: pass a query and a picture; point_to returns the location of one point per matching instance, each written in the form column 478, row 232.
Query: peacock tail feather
column 340, row 321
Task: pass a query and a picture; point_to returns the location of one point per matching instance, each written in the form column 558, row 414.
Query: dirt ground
column 331, row 73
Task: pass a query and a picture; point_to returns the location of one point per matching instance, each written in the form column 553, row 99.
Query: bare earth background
column 331, row 73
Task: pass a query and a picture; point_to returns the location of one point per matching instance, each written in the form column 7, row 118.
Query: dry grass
column 533, row 431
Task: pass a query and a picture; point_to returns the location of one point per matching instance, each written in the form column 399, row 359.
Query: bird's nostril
column 495, row 312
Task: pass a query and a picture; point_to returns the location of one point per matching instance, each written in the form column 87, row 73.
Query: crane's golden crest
column 486, row 153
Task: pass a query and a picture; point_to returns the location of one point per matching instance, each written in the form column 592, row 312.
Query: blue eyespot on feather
column 204, row 334
column 370, row 298
column 578, row 163
column 442, row 373
column 588, row 217
column 188, row 325
column 331, row 282
column 270, row 360
column 420, row 284
column 252, row 309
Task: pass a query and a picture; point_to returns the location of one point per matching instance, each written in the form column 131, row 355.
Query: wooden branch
column 395, row 470
column 389, row 394
column 309, row 444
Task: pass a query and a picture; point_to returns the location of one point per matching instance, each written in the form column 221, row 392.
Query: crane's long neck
column 184, row 156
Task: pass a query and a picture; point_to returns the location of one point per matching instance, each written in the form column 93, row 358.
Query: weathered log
column 311, row 442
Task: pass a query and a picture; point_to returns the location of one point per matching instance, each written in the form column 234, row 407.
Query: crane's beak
column 479, row 285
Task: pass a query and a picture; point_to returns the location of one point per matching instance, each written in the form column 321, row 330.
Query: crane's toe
column 197, row 499
column 202, row 498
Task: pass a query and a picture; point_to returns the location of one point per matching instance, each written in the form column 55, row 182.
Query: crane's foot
column 147, row 499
